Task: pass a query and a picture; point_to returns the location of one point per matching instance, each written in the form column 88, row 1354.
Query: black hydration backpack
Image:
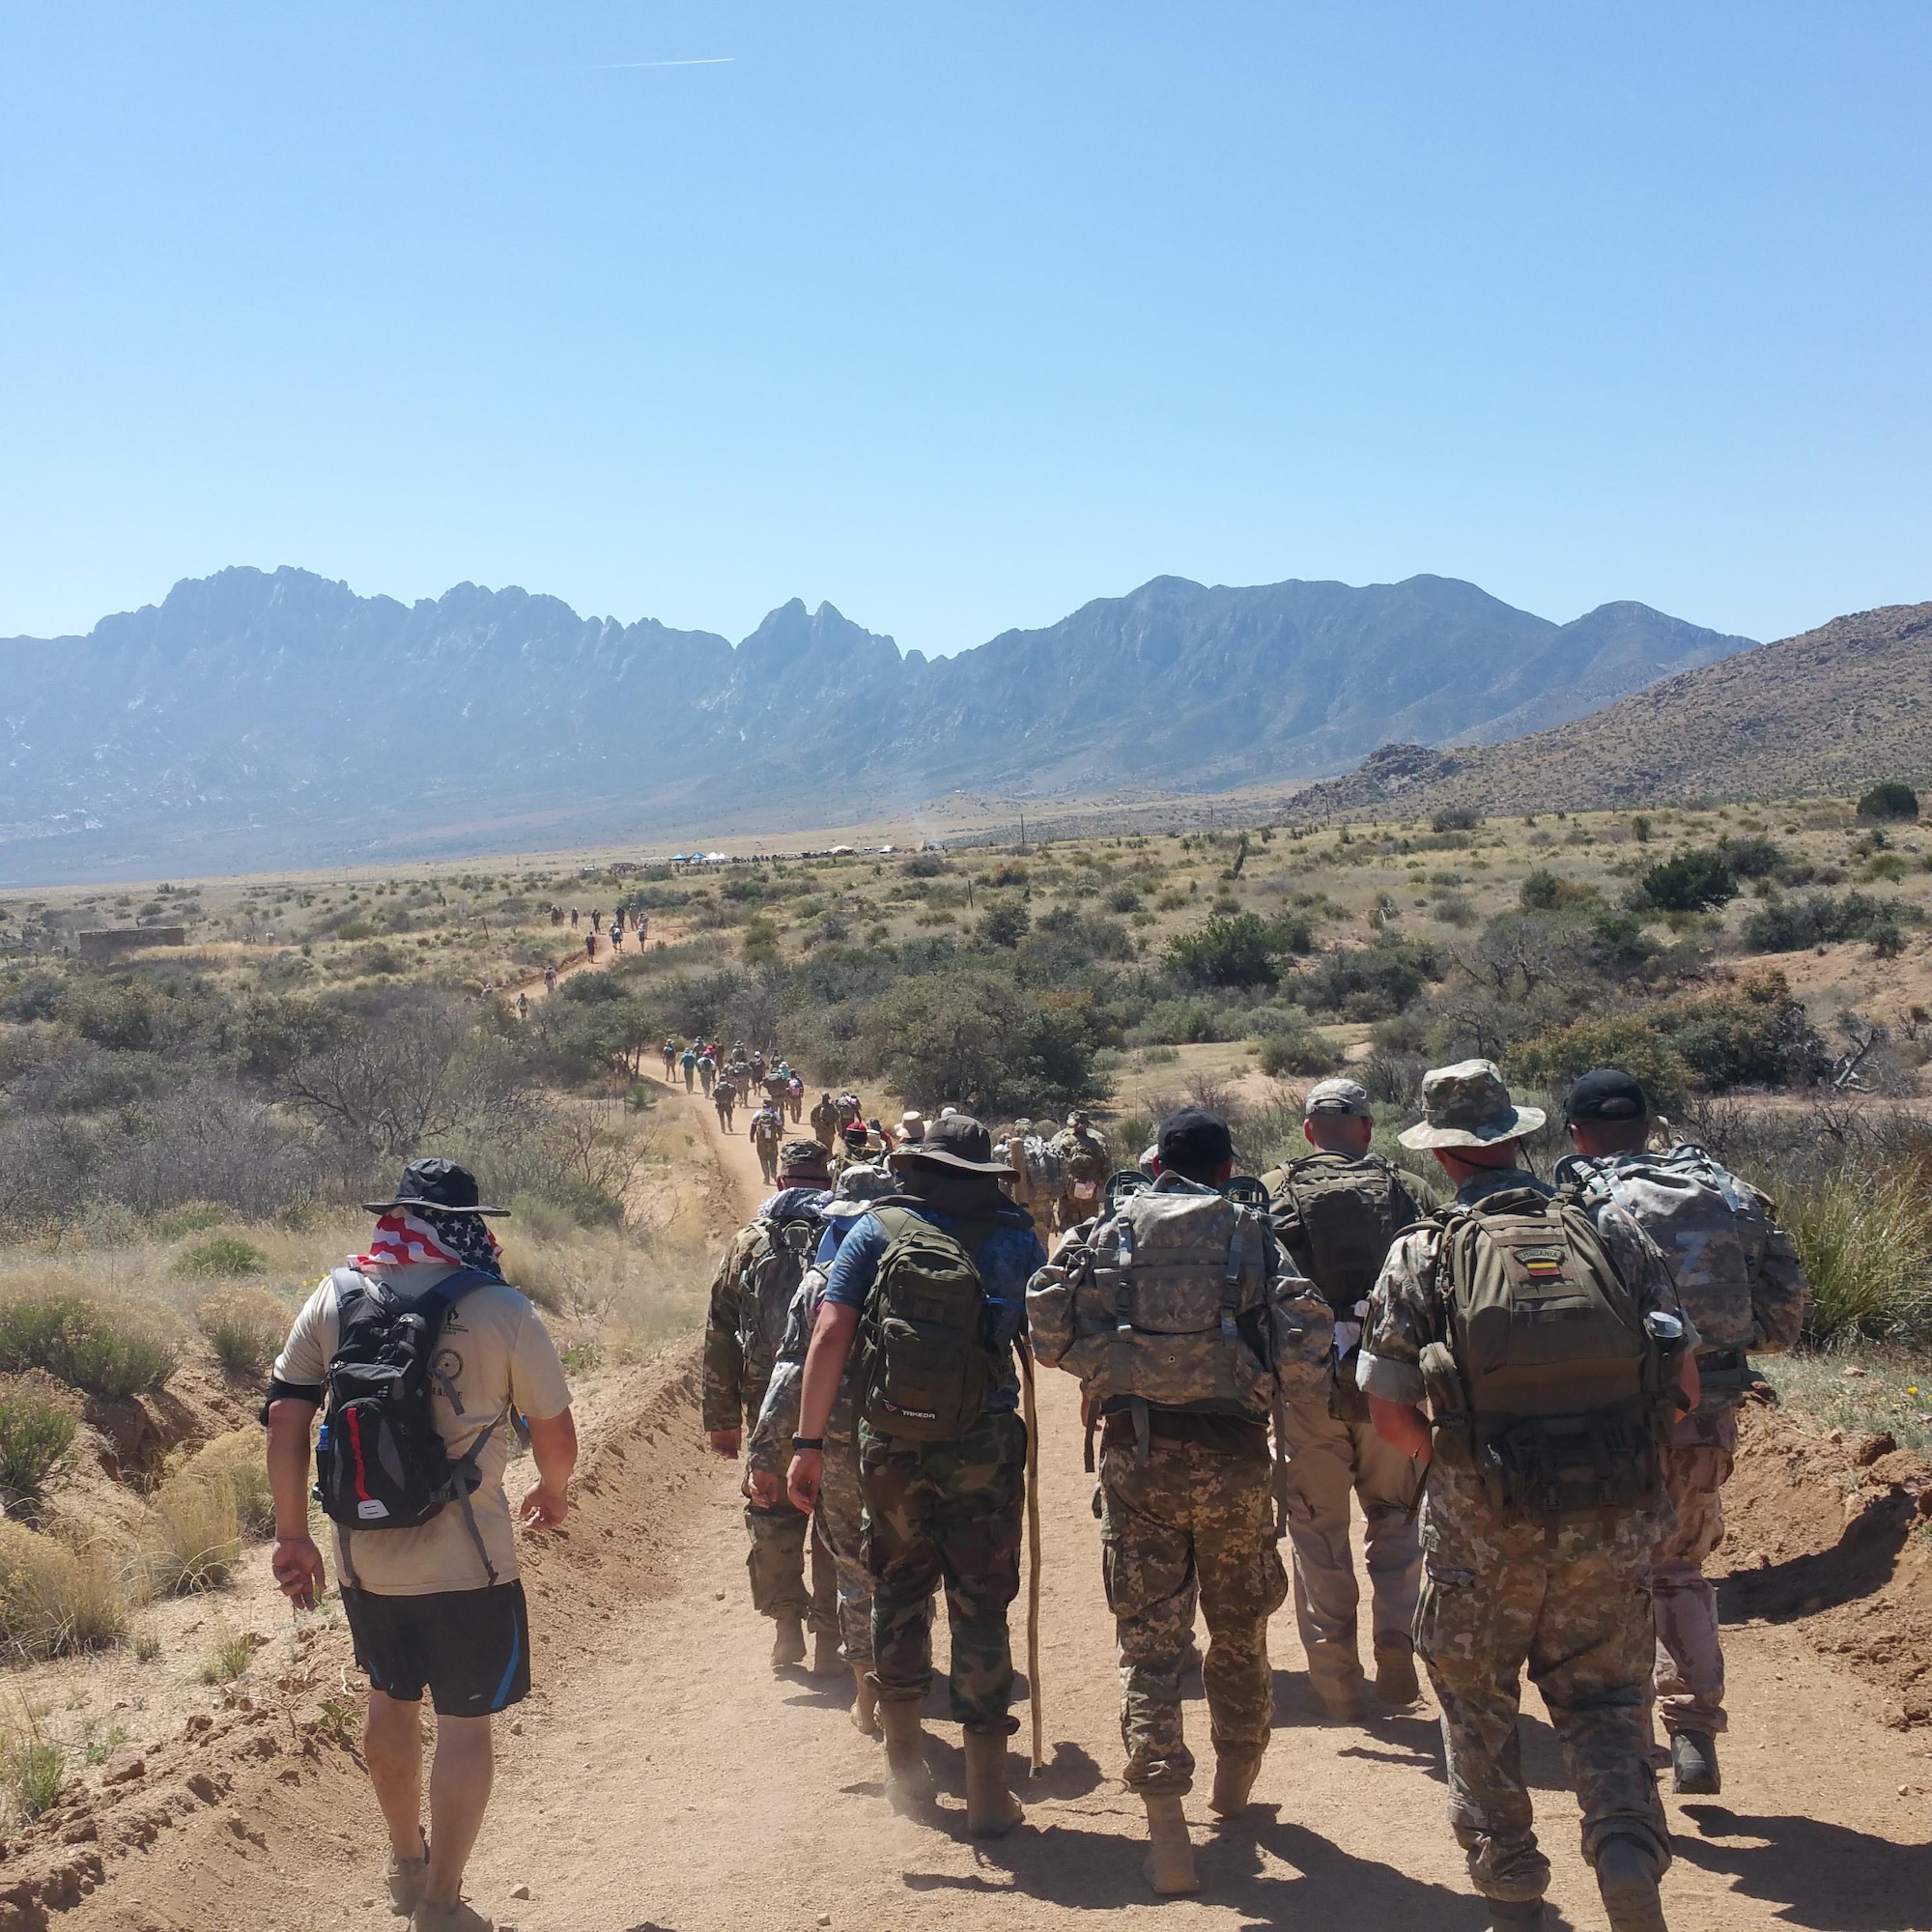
column 379, row 1460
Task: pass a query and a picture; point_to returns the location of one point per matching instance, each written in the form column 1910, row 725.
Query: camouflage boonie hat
column 859, row 1186
column 1338, row 1097
column 1468, row 1105
column 802, row 1156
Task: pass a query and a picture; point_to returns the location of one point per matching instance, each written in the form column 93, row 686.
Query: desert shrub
column 1544, row 891
column 36, row 1434
column 1297, row 1050
column 55, row 1600
column 1005, row 924
column 33, row 1770
column 1757, row 1038
column 1456, row 818
column 126, row 1348
column 1792, row 925
column 32, row 996
column 235, row 1461
column 1891, row 801
column 1393, row 1076
column 1628, row 1040
column 244, row 1327
column 227, row 1255
column 1866, row 1245
column 191, row 1539
column 1186, row 1022
column 1373, row 982
column 1753, row 856
column 1694, row 880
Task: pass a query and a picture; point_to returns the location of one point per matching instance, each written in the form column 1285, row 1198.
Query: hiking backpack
column 380, row 1462
column 787, row 1241
column 1553, row 1389
column 1711, row 1227
column 927, row 1363
column 1168, row 1303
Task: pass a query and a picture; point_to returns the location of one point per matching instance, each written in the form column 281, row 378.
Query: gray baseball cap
column 1469, row 1105
column 1338, row 1097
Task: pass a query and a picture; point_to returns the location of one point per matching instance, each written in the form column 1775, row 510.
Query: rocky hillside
column 1832, row 711
column 257, row 719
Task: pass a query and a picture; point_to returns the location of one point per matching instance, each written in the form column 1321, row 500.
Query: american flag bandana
column 405, row 1238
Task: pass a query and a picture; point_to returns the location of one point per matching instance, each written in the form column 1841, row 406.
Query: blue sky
column 959, row 315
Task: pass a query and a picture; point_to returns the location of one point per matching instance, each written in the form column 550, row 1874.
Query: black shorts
column 470, row 1647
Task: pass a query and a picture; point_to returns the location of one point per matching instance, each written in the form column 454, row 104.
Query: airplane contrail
column 619, row 67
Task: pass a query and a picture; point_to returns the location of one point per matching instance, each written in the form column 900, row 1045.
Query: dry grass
column 55, row 1599
column 192, row 1538
column 245, row 1327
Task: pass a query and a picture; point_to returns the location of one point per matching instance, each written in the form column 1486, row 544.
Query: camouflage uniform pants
column 950, row 1513
column 1690, row 1657
column 840, row 1517
column 1577, row 1612
column 768, row 1159
column 1328, row 1461
column 776, row 1561
column 1190, row 1525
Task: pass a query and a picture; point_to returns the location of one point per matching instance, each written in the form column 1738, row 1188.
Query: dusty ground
column 661, row 1780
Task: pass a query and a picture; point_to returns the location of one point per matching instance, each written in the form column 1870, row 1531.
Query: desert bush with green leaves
column 244, row 1328
column 36, row 1435
column 59, row 1324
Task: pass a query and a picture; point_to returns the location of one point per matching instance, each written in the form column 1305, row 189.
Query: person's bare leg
column 392, row 1744
column 459, row 1791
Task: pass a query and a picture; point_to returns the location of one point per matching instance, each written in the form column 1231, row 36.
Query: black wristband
column 816, row 1442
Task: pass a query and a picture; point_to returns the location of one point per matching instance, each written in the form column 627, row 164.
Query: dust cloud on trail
column 664, row 1781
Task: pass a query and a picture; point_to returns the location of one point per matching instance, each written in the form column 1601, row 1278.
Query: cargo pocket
column 1452, row 1617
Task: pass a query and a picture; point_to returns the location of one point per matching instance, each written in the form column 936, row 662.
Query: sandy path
column 664, row 1781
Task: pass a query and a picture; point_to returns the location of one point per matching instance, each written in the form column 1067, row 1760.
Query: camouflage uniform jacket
column 1084, row 1152
column 726, row 1394
column 1407, row 1311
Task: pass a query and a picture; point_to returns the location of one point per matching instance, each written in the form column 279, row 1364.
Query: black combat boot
column 1693, row 1765
column 1626, row 1879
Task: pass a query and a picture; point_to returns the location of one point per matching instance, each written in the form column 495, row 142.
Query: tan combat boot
column 1626, row 1879
column 1395, row 1671
column 826, row 1662
column 1169, row 1864
column 865, row 1701
column 788, row 1643
column 908, row 1782
column 1235, row 1768
column 991, row 1809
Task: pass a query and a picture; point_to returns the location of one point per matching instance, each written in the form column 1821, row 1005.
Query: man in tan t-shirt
column 439, row 1603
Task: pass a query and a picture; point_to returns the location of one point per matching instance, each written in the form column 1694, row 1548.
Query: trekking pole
column 1033, row 1558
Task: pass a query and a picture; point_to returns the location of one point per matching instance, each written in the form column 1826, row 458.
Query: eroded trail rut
column 661, row 1780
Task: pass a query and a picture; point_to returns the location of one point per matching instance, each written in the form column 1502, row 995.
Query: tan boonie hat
column 1468, row 1105
column 1338, row 1097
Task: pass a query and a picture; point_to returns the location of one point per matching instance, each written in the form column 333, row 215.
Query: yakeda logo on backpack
column 928, row 1361
column 1551, row 1386
column 1169, row 1302
column 380, row 1462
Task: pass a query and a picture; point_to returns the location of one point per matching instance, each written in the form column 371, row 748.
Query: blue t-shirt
column 1008, row 1260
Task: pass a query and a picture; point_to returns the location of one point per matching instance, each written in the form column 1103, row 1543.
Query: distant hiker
column 670, row 1057
column 750, row 1300
column 687, row 1065
column 597, row 920
column 550, row 979
column 617, row 919
column 644, row 926
column 725, row 1097
column 1336, row 1210
column 708, row 1069
column 1743, row 1287
column 757, row 1068
column 795, row 1098
column 1182, row 1386
column 1039, row 1175
column 573, row 919
column 522, row 1006
column 935, row 1277
column 766, row 1132
column 1554, row 1354
column 839, row 1517
column 1085, row 1161
column 850, row 1109
column 617, row 938
column 411, row 1471
column 590, row 945
column 825, row 1122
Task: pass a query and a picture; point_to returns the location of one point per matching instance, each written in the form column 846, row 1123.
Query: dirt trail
column 662, row 1781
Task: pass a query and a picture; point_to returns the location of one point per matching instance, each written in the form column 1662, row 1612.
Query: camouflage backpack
column 1711, row 1227
column 1551, row 1387
column 1168, row 1302
column 788, row 1233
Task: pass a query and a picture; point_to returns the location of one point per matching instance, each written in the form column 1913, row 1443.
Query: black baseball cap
column 1605, row 1094
column 1194, row 1142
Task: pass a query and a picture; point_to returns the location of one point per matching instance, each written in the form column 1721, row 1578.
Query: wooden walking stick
column 1032, row 1560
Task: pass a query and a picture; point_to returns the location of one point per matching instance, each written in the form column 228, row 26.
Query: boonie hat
column 1194, row 1138
column 858, row 1188
column 957, row 1141
column 1605, row 1094
column 1338, row 1097
column 441, row 1184
column 802, row 1156
column 1468, row 1105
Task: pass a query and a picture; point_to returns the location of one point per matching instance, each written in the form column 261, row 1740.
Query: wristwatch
column 816, row 1442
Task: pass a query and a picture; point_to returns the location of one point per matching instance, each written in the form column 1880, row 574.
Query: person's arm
column 824, row 1369
column 553, row 1445
column 296, row 1561
column 723, row 1401
column 1402, row 1427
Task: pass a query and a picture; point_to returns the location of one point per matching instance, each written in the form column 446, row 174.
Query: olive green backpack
column 926, row 1368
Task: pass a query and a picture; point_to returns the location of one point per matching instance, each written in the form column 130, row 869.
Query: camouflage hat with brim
column 859, row 1186
column 802, row 1156
column 1469, row 1105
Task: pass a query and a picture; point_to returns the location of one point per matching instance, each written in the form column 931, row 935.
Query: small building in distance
column 108, row 941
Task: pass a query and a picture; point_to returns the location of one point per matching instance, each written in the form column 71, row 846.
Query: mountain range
column 276, row 718
column 1833, row 710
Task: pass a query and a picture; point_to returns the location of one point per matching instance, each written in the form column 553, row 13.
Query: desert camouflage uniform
column 1572, row 1600
column 839, row 1518
column 733, row 1396
column 1085, row 1155
column 825, row 1123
